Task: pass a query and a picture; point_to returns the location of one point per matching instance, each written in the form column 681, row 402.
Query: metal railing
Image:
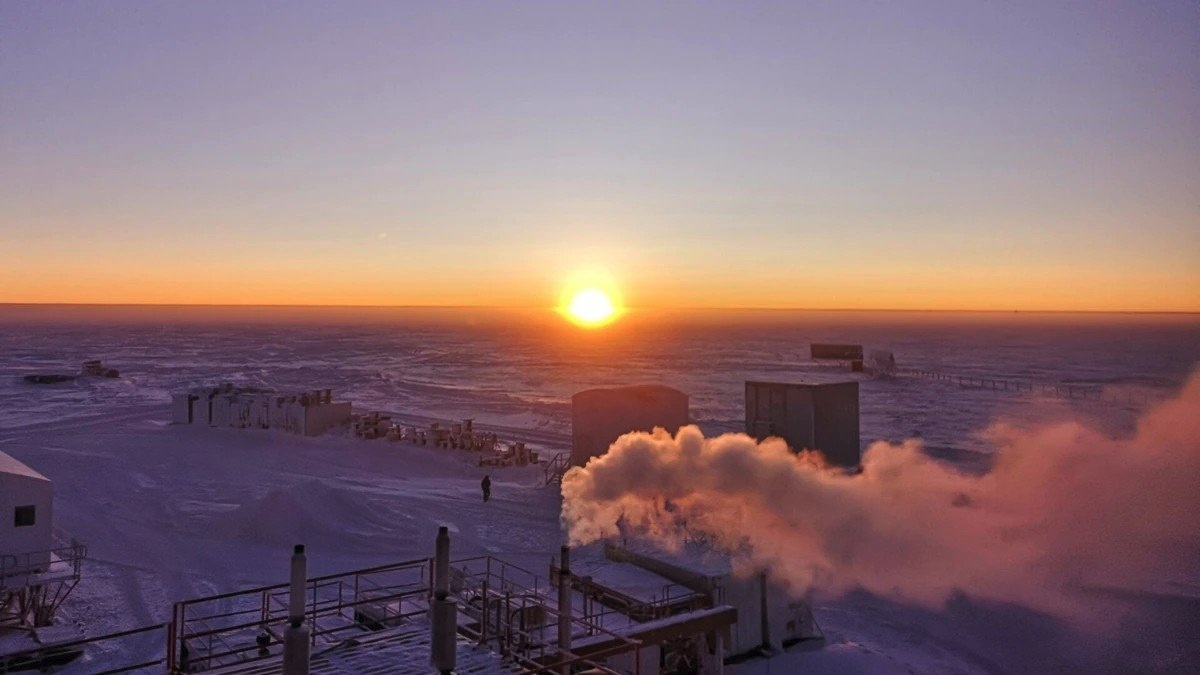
column 615, row 604
column 555, row 468
column 38, row 567
column 1058, row 390
column 512, row 613
column 245, row 626
column 45, row 656
column 508, row 606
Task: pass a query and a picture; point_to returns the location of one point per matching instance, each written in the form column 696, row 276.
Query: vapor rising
column 1064, row 511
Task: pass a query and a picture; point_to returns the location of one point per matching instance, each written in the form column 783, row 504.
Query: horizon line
column 700, row 308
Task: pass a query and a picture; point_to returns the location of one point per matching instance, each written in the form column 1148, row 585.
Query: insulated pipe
column 295, row 636
column 764, row 613
column 441, row 563
column 719, row 661
column 564, row 606
column 443, row 614
column 299, row 578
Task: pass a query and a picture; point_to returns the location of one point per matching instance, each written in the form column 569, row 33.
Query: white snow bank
column 311, row 511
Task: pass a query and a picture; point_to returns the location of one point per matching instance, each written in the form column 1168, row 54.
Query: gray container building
column 820, row 417
column 600, row 416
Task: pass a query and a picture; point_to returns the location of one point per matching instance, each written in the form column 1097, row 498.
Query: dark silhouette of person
column 486, row 484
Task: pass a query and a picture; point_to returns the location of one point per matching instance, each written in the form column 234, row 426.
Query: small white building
column 600, row 416
column 310, row 413
column 26, row 532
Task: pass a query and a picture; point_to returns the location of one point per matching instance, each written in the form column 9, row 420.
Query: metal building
column 820, row 417
column 309, row 413
column 600, row 416
column 26, row 534
column 36, row 573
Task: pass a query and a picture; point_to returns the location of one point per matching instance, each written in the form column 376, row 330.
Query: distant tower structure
column 600, row 416
column 820, row 417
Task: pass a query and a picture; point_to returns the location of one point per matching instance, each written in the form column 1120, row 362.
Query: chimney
column 295, row 636
column 443, row 614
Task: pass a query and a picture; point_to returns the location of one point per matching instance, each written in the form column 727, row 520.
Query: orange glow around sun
column 590, row 304
column 591, row 307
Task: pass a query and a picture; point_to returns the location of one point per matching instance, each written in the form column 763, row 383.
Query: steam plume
column 1063, row 508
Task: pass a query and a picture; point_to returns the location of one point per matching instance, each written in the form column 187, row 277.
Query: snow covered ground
column 171, row 512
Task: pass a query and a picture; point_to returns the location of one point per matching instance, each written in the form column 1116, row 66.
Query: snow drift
column 310, row 511
column 1064, row 511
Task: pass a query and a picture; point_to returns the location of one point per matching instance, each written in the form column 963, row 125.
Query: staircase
column 556, row 468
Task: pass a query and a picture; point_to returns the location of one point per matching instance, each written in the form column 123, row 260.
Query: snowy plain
column 171, row 512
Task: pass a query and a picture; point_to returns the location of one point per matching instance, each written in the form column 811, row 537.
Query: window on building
column 24, row 516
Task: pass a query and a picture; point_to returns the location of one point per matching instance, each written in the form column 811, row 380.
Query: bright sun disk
column 591, row 307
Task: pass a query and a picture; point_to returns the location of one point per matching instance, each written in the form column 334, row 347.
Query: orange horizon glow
column 188, row 284
column 825, row 170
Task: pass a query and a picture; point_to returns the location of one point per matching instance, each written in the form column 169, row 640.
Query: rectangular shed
column 26, row 528
column 821, row 417
column 600, row 416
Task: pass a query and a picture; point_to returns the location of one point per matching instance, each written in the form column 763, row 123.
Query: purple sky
column 957, row 154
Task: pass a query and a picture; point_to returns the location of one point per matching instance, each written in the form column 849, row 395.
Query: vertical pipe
column 564, row 606
column 443, row 624
column 483, row 629
column 504, row 645
column 441, row 563
column 296, row 590
column 295, row 636
column 764, row 616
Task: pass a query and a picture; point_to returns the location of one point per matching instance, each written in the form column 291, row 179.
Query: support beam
column 564, row 606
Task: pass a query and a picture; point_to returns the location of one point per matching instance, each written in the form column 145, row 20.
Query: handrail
column 35, row 654
column 1058, row 389
column 13, row 565
column 236, row 619
column 225, row 628
column 556, row 467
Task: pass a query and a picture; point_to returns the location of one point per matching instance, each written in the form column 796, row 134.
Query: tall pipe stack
column 564, row 606
column 295, row 636
column 443, row 627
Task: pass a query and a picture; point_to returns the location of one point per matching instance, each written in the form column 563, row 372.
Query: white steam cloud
column 1064, row 508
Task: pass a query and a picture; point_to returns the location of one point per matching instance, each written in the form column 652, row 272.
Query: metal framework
column 555, row 468
column 31, row 590
column 1090, row 392
column 509, row 612
column 246, row 626
column 380, row 615
column 43, row 657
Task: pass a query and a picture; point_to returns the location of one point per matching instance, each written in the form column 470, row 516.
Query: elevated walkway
column 401, row 649
column 33, row 585
column 556, row 468
column 1065, row 390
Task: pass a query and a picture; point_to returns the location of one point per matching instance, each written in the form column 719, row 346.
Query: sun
column 591, row 308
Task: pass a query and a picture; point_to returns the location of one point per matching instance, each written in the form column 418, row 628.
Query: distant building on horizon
column 309, row 413
column 601, row 416
column 821, row 417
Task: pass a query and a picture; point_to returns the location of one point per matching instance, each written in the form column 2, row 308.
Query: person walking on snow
column 486, row 484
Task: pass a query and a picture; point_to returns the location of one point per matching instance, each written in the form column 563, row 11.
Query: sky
column 892, row 155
